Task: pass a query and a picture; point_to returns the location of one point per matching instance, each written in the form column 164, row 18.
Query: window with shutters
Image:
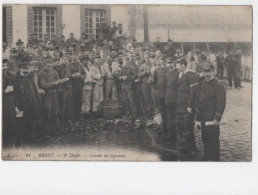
column 93, row 20
column 44, row 21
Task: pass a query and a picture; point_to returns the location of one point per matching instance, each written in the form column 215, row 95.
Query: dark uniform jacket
column 12, row 68
column 212, row 100
column 9, row 102
column 65, row 71
column 230, row 62
column 187, row 86
column 159, row 80
column 46, row 80
column 171, row 77
column 131, row 72
column 23, row 56
column 25, row 91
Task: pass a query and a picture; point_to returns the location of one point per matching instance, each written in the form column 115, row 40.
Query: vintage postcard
column 126, row 82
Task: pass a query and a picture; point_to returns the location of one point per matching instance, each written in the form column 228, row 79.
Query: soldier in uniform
column 127, row 76
column 48, row 80
column 187, row 86
column 211, row 105
column 98, row 77
column 231, row 64
column 171, row 77
column 144, row 74
column 159, row 81
column 23, row 55
column 111, row 71
column 27, row 97
column 77, row 77
column 65, row 72
column 9, row 108
column 12, row 64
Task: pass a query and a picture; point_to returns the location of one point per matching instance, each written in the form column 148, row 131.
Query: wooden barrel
column 112, row 109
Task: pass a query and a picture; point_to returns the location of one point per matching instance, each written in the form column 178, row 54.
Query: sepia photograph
column 111, row 82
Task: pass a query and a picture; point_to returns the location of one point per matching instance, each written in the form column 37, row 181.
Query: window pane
column 40, row 11
column 48, row 24
column 40, row 29
column 52, row 12
column 52, row 18
column 40, row 17
column 35, row 30
column 47, row 12
column 35, row 17
column 35, row 11
column 48, row 30
column 47, row 17
column 35, row 23
column 52, row 23
column 86, row 30
column 52, row 30
column 40, row 23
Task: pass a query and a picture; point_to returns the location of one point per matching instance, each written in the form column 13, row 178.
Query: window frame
column 94, row 14
column 42, row 11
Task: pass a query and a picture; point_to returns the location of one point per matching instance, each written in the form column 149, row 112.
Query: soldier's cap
column 14, row 50
column 33, row 34
column 23, row 65
column 47, row 61
column 5, row 61
column 30, row 46
column 207, row 66
column 86, row 57
column 19, row 42
column 178, row 50
column 120, row 53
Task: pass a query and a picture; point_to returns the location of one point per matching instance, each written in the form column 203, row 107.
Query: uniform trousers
column 97, row 97
column 210, row 138
column 185, row 131
column 162, row 111
column 146, row 96
column 86, row 100
column 111, row 90
column 128, row 98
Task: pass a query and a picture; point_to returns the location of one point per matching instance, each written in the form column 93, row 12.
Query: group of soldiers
column 56, row 83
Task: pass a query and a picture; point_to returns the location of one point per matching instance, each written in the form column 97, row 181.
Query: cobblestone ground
column 235, row 135
column 236, row 126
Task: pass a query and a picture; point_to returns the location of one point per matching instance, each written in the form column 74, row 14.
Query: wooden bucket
column 112, row 109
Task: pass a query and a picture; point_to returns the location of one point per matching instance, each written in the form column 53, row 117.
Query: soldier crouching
column 212, row 102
